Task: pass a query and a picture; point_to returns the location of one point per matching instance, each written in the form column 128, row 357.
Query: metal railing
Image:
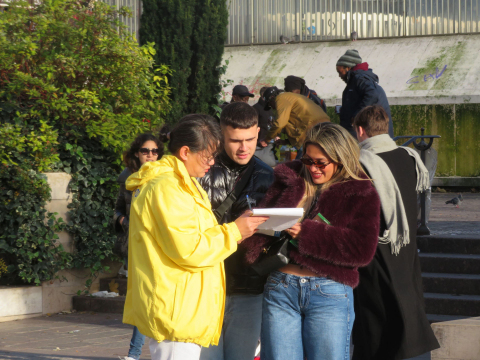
column 263, row 21
column 422, row 146
column 133, row 23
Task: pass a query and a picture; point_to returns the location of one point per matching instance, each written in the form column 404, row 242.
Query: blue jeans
column 241, row 329
column 306, row 317
column 136, row 344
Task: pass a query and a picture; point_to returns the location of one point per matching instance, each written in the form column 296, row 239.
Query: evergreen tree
column 189, row 36
column 169, row 24
column 209, row 35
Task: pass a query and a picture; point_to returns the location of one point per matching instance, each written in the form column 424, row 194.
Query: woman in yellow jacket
column 176, row 282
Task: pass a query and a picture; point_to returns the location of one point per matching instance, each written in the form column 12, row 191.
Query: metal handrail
column 423, row 147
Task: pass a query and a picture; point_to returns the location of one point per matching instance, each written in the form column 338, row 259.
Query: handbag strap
column 235, row 193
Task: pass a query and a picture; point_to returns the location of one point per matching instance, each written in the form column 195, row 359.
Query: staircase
column 451, row 276
column 450, row 272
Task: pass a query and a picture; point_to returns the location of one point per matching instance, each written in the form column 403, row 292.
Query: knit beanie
column 350, row 59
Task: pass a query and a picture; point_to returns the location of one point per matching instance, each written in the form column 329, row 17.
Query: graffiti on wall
column 426, row 77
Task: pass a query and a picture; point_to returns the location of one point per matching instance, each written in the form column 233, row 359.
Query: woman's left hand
column 294, row 230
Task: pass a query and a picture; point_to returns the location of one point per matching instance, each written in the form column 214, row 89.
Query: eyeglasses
column 146, row 151
column 317, row 163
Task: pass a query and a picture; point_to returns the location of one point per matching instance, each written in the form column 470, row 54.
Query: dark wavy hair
column 129, row 158
column 197, row 131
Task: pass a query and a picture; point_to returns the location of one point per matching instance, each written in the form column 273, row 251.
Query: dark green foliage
column 189, row 37
column 75, row 89
column 209, row 35
column 169, row 24
column 28, row 239
column 94, row 190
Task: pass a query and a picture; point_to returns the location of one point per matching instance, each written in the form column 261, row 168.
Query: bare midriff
column 297, row 270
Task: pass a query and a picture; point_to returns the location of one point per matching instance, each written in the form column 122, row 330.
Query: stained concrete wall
column 431, row 82
column 57, row 294
column 422, row 70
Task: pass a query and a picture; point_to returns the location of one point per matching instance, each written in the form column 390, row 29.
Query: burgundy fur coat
column 334, row 251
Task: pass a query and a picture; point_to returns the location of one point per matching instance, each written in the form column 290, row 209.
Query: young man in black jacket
column 361, row 91
column 237, row 170
column 390, row 320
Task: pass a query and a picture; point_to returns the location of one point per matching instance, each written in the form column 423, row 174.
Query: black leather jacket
column 218, row 183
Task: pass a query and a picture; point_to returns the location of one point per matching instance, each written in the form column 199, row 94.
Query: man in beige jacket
column 294, row 112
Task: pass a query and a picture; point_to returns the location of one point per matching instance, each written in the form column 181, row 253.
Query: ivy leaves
column 28, row 232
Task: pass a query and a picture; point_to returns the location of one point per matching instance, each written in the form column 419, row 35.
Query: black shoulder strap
column 235, row 193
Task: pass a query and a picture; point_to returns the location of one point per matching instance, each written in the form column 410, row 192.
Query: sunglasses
column 317, row 163
column 146, row 151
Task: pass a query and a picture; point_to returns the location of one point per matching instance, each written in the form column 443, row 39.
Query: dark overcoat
column 390, row 320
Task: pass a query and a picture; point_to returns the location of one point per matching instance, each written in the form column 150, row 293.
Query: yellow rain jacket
column 176, row 278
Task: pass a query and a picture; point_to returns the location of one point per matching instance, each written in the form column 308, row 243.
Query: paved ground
column 77, row 336
column 87, row 336
column 448, row 220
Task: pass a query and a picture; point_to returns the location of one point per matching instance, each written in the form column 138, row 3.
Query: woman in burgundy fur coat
column 308, row 304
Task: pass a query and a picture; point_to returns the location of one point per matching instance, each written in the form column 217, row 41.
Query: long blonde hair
column 341, row 148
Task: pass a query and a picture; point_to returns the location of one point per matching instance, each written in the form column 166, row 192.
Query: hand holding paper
column 279, row 218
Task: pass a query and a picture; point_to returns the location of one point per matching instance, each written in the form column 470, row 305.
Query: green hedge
column 75, row 89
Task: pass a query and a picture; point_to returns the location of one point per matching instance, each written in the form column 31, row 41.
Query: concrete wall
column 431, row 82
column 422, row 70
column 57, row 294
column 459, row 339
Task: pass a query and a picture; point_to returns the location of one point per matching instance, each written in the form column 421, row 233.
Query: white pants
column 173, row 350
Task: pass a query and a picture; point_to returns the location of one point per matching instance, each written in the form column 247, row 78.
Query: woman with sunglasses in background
column 144, row 148
column 308, row 304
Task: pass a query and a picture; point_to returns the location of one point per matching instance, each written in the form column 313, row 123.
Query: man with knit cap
column 362, row 90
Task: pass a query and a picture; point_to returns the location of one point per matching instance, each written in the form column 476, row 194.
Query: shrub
column 189, row 36
column 75, row 89
column 69, row 64
column 28, row 240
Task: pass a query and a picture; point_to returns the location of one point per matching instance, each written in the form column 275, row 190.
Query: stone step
column 450, row 263
column 432, row 318
column 458, row 305
column 97, row 304
column 449, row 244
column 457, row 284
column 121, row 282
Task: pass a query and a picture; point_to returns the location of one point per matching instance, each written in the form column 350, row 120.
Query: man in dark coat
column 390, row 320
column 243, row 306
column 297, row 85
column 264, row 151
column 362, row 90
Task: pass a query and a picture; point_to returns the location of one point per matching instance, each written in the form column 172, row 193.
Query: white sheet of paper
column 280, row 218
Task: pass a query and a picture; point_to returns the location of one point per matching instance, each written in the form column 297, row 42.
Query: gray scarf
column 397, row 232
